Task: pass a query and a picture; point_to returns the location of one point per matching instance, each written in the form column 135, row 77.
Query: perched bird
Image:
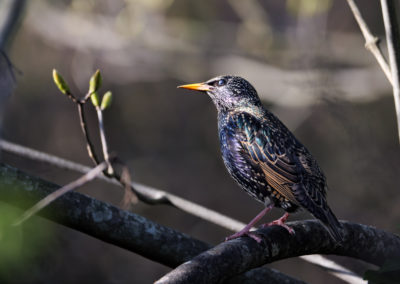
column 264, row 157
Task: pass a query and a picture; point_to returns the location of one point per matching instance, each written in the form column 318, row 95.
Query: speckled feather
column 264, row 157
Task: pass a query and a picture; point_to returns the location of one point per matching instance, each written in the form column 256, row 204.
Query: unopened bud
column 95, row 82
column 95, row 99
column 60, row 82
column 106, row 101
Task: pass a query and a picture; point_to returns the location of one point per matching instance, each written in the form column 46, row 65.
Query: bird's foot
column 244, row 233
column 280, row 222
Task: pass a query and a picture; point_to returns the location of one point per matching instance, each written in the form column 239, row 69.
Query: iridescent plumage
column 263, row 156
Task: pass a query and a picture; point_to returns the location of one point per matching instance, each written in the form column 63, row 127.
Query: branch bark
column 231, row 258
column 110, row 224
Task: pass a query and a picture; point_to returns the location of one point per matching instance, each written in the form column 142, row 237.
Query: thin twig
column 93, row 173
column 103, row 139
column 130, row 191
column 151, row 195
column 109, row 171
column 392, row 39
column 371, row 42
column 85, row 130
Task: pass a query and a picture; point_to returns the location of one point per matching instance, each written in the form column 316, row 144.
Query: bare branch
column 145, row 193
column 234, row 257
column 371, row 42
column 93, row 173
column 149, row 195
column 14, row 15
column 85, row 131
column 110, row 224
column 393, row 42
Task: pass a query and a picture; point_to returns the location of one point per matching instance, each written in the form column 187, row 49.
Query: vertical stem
column 104, row 140
column 392, row 37
column 89, row 144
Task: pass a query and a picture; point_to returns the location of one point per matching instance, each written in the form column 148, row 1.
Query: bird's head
column 228, row 92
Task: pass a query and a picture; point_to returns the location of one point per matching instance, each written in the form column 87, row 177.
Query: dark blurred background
column 307, row 60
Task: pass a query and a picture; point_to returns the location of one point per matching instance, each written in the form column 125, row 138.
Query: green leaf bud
column 106, row 101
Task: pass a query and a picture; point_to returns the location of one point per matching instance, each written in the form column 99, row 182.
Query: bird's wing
column 287, row 165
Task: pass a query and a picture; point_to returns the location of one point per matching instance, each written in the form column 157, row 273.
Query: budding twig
column 92, row 94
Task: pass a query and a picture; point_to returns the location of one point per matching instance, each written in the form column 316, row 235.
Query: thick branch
column 100, row 220
column 156, row 196
column 231, row 258
column 110, row 224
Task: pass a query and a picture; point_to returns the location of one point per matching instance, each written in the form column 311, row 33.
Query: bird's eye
column 220, row 82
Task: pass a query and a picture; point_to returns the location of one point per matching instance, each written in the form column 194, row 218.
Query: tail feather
column 332, row 224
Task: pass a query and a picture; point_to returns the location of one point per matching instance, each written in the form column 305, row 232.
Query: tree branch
column 154, row 196
column 393, row 42
column 371, row 42
column 145, row 193
column 60, row 192
column 10, row 24
column 233, row 257
column 110, row 224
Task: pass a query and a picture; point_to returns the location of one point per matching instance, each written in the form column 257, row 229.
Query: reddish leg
column 280, row 222
column 246, row 230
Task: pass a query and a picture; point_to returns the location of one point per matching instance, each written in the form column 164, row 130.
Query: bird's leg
column 280, row 222
column 246, row 230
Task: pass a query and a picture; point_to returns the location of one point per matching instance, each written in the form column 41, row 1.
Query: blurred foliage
column 308, row 8
column 20, row 245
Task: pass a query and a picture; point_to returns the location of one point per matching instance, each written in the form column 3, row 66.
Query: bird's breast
column 239, row 167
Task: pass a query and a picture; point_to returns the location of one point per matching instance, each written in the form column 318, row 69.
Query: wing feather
column 284, row 166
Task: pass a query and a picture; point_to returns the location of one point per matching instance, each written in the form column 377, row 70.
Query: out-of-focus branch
column 14, row 15
column 233, row 257
column 371, row 42
column 393, row 43
column 154, row 196
column 108, row 223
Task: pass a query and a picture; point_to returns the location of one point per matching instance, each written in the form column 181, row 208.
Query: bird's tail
column 332, row 224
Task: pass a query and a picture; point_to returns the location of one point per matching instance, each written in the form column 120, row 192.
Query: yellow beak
column 197, row 87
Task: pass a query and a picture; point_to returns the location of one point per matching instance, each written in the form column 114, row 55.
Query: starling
column 264, row 157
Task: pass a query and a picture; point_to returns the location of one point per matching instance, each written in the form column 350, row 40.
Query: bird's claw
column 281, row 223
